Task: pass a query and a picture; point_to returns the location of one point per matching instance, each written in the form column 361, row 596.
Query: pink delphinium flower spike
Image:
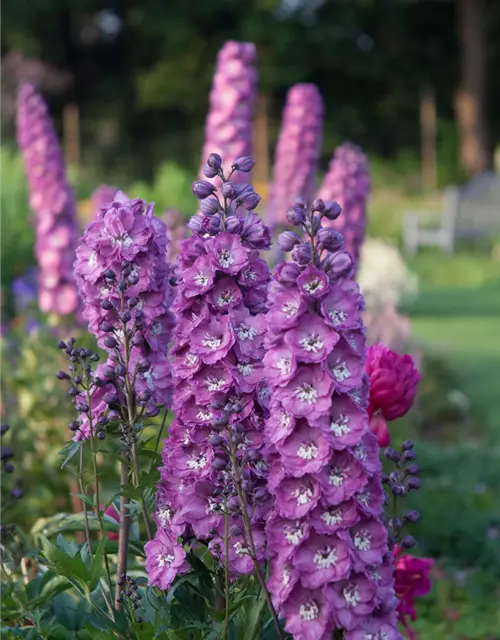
column 219, row 399
column 53, row 202
column 229, row 123
column 297, row 152
column 326, row 527
column 123, row 279
column 347, row 182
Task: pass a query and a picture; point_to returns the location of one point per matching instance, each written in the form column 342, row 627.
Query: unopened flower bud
column 62, row 375
column 110, row 342
column 229, row 190
column 106, row 327
column 143, row 365
column 408, row 542
column 210, row 206
column 409, row 455
column 209, row 172
column 412, row 516
column 413, row 469
column 107, row 371
column 215, row 440
column 330, row 239
column 152, row 412
column 332, row 210
column 120, row 370
column 392, row 454
column 287, row 240
column 244, row 164
column 195, row 223
column 287, row 273
column 214, row 161
column 261, row 494
column 109, row 274
column 202, row 189
column 414, row 483
column 110, row 397
column 295, row 216
column 407, row 445
column 107, row 305
column 219, row 464
column 211, row 224
column 318, row 205
column 302, row 253
column 233, row 224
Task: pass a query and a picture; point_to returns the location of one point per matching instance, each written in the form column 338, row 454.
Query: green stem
column 121, row 567
column 137, row 475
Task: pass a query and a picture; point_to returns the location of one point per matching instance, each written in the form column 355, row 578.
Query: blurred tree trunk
column 470, row 99
column 428, row 138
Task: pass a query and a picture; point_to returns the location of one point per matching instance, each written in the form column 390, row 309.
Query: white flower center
column 332, row 517
column 164, row 515
column 337, row 477
column 156, row 328
column 314, row 285
column 204, row 415
column 214, row 384
column 191, row 359
column 290, row 308
column 285, row 577
column 211, row 342
column 201, row 279
column 149, row 377
column 293, row 535
column 341, row 372
column 285, row 366
column 124, row 240
column 245, row 332
column 312, row 343
column 361, row 452
column 337, row 317
column 240, row 549
column 249, row 274
column 197, row 462
column 164, row 559
column 364, row 498
column 92, row 261
column 306, row 393
column 341, row 426
column 309, row 610
column 285, row 420
column 226, row 258
column 362, row 540
column 225, row 298
column 303, row 495
column 245, row 369
column 325, row 558
column 351, row 595
column 308, row 451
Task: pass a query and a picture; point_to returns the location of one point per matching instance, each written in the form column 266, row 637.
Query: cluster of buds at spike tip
column 124, row 280
column 297, row 151
column 129, row 594
column 348, row 182
column 229, row 123
column 53, row 202
column 213, row 451
column 330, row 562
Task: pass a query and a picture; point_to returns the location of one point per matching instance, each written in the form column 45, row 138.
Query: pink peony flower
column 412, row 580
column 393, row 382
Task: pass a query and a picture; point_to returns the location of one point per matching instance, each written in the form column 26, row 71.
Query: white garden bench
column 470, row 212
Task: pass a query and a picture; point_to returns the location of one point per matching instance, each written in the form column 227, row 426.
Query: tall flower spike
column 326, row 535
column 348, row 183
column 228, row 127
column 53, row 202
column 123, row 279
column 212, row 458
column 297, row 151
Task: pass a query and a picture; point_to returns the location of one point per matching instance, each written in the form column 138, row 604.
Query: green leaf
column 71, row 612
column 70, row 450
column 65, row 565
column 97, row 564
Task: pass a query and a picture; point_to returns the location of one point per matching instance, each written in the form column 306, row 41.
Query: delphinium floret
column 326, row 533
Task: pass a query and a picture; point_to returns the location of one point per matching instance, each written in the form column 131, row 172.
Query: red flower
column 411, row 580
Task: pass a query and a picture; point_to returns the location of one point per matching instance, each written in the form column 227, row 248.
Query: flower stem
column 84, row 504
column 121, row 567
column 226, row 570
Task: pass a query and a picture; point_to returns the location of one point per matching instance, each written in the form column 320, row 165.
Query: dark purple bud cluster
column 92, row 389
column 129, row 593
column 322, row 246
column 403, row 479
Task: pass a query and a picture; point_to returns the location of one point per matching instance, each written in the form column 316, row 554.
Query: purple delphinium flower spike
column 214, row 448
column 228, row 127
column 326, row 530
column 348, row 183
column 101, row 198
column 123, row 279
column 53, row 202
column 297, row 152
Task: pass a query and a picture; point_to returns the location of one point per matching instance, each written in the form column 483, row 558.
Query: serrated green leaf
column 64, row 565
